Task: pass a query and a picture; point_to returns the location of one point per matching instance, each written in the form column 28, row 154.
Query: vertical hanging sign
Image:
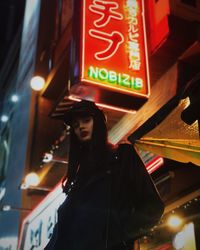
column 113, row 46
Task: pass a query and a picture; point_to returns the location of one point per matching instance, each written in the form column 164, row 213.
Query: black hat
column 82, row 108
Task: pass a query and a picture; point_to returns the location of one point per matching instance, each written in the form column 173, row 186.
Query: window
column 4, row 151
column 192, row 3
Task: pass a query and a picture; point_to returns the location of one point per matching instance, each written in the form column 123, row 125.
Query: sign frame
column 120, row 93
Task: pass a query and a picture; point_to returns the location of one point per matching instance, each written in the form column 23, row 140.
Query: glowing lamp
column 47, row 158
column 37, row 83
column 32, row 179
column 14, row 98
column 4, row 118
column 174, row 221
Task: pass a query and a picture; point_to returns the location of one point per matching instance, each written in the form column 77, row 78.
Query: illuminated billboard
column 37, row 227
column 113, row 46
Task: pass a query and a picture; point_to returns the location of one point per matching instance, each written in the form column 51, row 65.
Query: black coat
column 114, row 207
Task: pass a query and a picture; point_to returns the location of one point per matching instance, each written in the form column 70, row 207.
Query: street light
column 174, row 221
column 4, row 118
column 32, row 179
column 14, row 98
column 37, row 83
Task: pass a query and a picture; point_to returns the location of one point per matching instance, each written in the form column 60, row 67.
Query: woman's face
column 83, row 128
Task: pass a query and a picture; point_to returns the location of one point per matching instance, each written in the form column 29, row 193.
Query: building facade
column 34, row 140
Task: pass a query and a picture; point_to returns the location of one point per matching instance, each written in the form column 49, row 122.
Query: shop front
column 178, row 229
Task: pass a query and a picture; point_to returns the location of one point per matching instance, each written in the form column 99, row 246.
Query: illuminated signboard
column 114, row 54
column 38, row 226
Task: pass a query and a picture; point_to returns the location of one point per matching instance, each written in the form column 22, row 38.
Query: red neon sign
column 114, row 53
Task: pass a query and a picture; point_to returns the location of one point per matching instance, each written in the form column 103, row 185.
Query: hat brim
column 80, row 109
column 71, row 115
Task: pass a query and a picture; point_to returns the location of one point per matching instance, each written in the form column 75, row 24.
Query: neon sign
column 114, row 54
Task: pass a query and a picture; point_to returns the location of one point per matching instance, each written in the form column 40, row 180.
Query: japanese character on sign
column 106, row 10
column 50, row 225
column 133, row 35
column 114, row 39
column 134, row 55
column 134, row 64
column 132, row 28
column 36, row 236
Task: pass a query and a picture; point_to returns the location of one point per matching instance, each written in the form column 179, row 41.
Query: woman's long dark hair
column 98, row 148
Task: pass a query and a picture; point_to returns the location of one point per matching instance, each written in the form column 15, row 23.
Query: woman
column 111, row 200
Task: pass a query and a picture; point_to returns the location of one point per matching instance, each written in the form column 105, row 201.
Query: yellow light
column 32, row 179
column 37, row 83
column 174, row 221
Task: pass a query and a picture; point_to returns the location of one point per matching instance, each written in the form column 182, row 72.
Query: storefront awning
column 176, row 149
column 173, row 138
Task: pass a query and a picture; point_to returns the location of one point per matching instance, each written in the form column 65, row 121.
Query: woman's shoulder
column 122, row 149
column 125, row 146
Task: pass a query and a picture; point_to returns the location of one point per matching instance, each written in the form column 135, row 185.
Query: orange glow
column 174, row 221
column 114, row 52
column 105, row 106
column 115, row 108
